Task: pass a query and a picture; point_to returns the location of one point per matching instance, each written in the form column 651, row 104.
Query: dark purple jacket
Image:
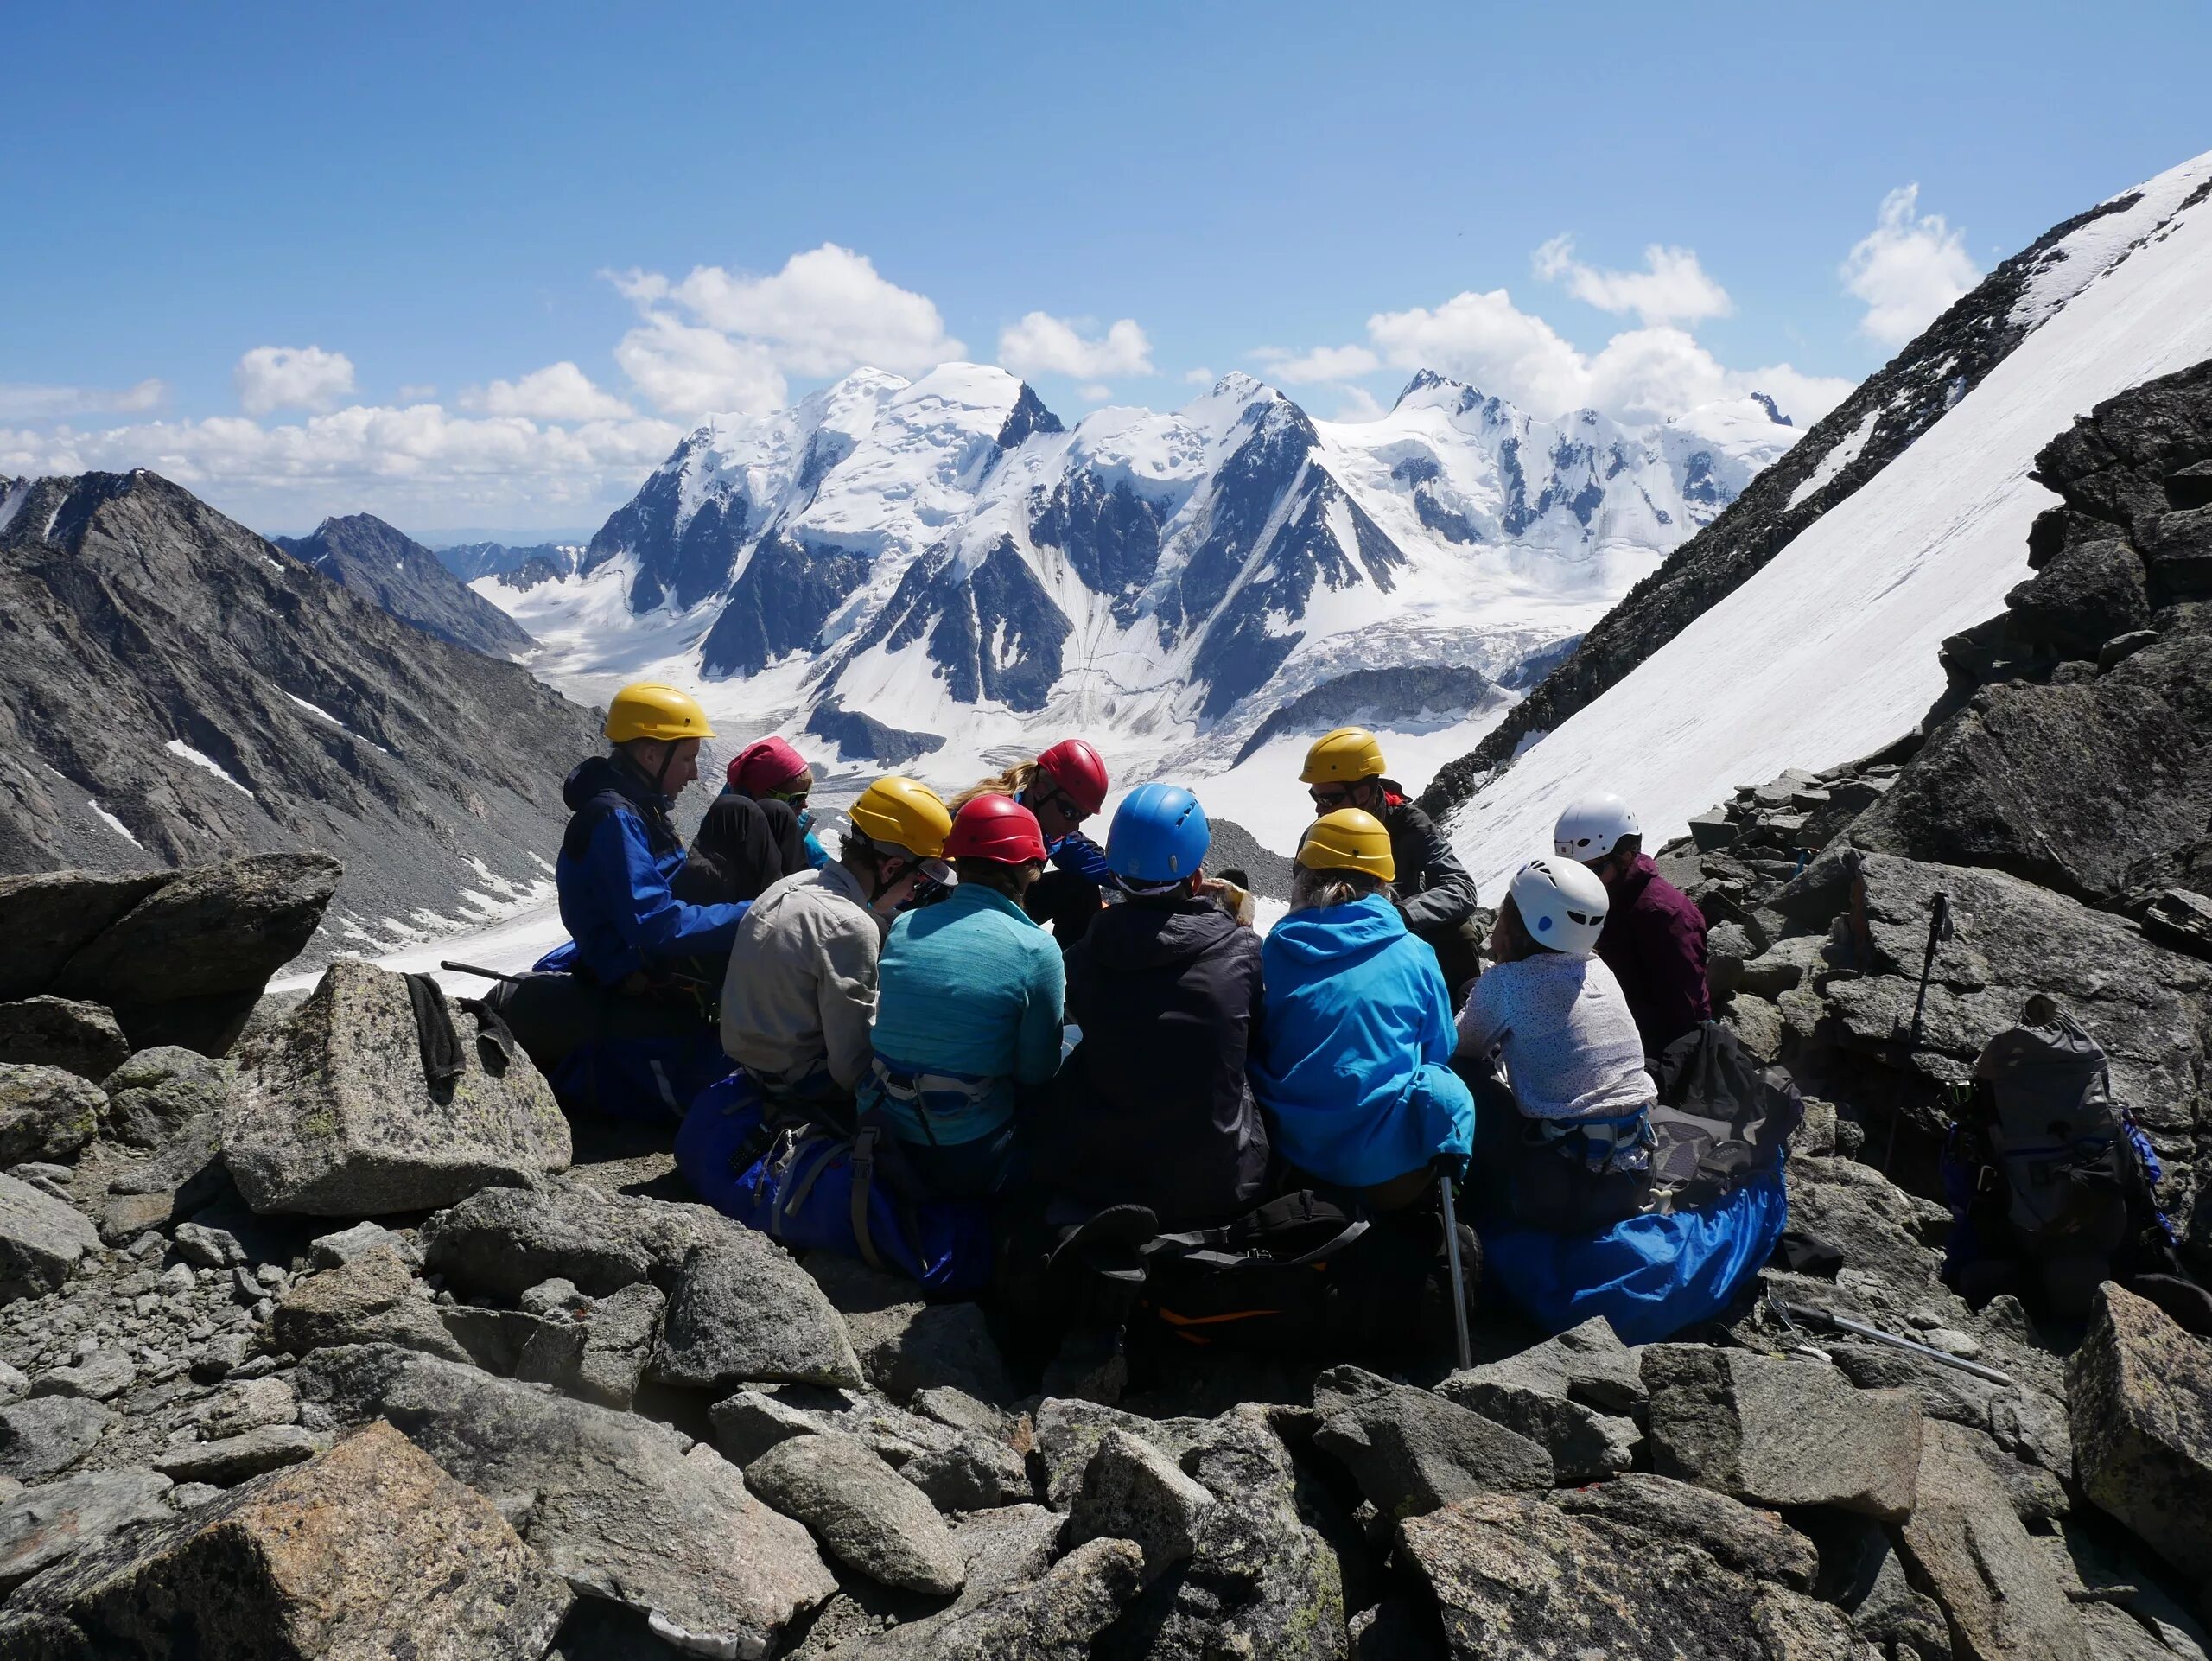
column 1654, row 942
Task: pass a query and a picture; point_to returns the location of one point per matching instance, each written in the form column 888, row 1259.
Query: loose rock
column 1133, row 1491
column 236, row 1458
column 1411, row 1452
column 870, row 1520
column 372, row 1300
column 156, row 1093
column 46, row 1435
column 2140, row 1404
column 743, row 1312
column 42, row 1526
column 45, row 1112
column 42, row 1240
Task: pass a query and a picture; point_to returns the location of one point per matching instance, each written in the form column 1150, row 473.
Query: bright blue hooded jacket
column 1351, row 1063
column 618, row 858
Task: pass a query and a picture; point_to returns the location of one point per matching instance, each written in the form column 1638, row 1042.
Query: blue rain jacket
column 618, row 856
column 1353, row 1063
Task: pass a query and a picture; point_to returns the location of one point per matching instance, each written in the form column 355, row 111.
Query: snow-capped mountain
column 943, row 559
column 1802, row 629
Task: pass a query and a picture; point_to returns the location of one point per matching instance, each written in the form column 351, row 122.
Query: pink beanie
column 762, row 768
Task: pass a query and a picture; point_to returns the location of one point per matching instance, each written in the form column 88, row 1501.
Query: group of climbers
column 905, row 990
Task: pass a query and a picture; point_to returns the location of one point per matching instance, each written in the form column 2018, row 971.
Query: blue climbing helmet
column 1159, row 836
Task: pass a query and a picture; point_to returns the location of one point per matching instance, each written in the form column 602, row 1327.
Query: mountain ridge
column 386, row 566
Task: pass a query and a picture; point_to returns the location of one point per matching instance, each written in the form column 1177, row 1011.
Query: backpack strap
column 864, row 1180
column 1199, row 1246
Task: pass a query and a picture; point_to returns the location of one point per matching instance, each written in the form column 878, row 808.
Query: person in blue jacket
column 639, row 982
column 970, row 1001
column 1353, row 1064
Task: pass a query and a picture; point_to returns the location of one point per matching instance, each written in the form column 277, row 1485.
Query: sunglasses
column 1335, row 795
column 1064, row 803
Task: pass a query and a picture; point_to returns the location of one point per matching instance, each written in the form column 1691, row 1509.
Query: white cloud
column 1672, row 288
column 1198, row 377
column 1642, row 374
column 687, row 370
column 1323, row 363
column 1041, row 344
column 559, row 391
column 1907, row 270
column 291, row 378
column 1359, row 405
column 1096, row 394
column 22, row 402
column 827, row 311
column 417, row 391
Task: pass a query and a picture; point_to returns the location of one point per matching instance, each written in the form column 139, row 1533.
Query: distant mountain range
column 943, row 559
column 533, row 564
column 399, row 574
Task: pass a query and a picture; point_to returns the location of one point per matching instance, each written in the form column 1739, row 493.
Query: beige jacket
column 801, row 988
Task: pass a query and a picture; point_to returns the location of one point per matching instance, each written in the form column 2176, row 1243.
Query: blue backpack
column 815, row 1190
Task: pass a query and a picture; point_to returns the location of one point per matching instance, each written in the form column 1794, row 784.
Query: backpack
column 814, row 1189
column 2057, row 1148
column 1721, row 1119
column 1304, row 1274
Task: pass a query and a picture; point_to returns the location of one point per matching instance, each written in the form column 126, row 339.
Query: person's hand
column 1236, row 902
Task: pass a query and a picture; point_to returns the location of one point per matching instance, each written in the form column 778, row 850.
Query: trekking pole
column 1859, row 1329
column 1939, row 929
column 471, row 969
column 1451, row 1258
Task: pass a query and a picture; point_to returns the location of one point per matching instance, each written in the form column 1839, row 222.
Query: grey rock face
column 1134, row 1492
column 1411, row 1452
column 100, row 1377
column 1779, row 1432
column 51, row 1032
column 1877, row 1226
column 372, row 1300
column 2140, row 1404
column 154, row 1094
column 48, row 1433
column 1571, row 1394
column 601, row 1352
column 1262, row 1582
column 1664, row 1512
column 621, row 1508
column 504, row 1241
column 743, row 1312
column 234, row 1459
column 46, row 1113
column 402, row 576
column 957, row 1469
column 370, row 1551
column 905, row 1343
column 342, row 1246
column 335, row 1118
column 1989, row 1576
column 1055, row 1618
column 42, row 1239
column 1518, row 1577
column 869, row 1518
column 42, row 1526
column 1069, row 1433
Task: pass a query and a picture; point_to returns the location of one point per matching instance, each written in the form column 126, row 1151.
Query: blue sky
column 310, row 259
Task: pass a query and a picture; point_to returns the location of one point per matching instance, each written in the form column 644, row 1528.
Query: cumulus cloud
column 559, row 391
column 1198, row 377
column 22, row 402
column 1359, row 405
column 1672, row 288
column 1642, row 374
column 271, row 377
column 1041, row 344
column 1907, row 270
column 1323, row 363
column 825, row 312
column 684, row 370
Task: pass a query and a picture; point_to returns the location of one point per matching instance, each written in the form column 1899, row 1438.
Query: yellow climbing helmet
column 649, row 709
column 1344, row 757
column 1349, row 840
column 904, row 814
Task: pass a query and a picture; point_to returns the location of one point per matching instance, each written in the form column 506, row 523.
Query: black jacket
column 1434, row 891
column 1153, row 1108
column 743, row 845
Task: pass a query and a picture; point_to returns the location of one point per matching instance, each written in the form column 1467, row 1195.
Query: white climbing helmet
column 1592, row 828
column 1562, row 905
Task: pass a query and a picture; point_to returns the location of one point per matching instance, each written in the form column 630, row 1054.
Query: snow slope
column 1828, row 653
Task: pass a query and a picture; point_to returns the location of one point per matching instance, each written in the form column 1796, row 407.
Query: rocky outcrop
column 62, row 1033
column 176, row 690
column 400, row 575
column 335, row 1118
column 179, row 958
column 2140, row 1411
column 369, row 1550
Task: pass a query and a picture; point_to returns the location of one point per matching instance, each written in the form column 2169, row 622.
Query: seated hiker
column 1551, row 1017
column 1435, row 895
column 757, row 831
column 1063, row 787
column 1352, row 1064
column 1153, row 1108
column 647, row 965
column 1655, row 935
column 969, row 1003
column 800, row 994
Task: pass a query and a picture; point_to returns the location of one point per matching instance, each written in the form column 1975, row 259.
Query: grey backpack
column 2056, row 1136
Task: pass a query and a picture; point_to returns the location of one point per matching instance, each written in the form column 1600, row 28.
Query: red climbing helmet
column 1075, row 767
column 995, row 828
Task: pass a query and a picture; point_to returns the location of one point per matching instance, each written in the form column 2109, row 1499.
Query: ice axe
column 1445, row 1165
column 471, row 969
column 1939, row 929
